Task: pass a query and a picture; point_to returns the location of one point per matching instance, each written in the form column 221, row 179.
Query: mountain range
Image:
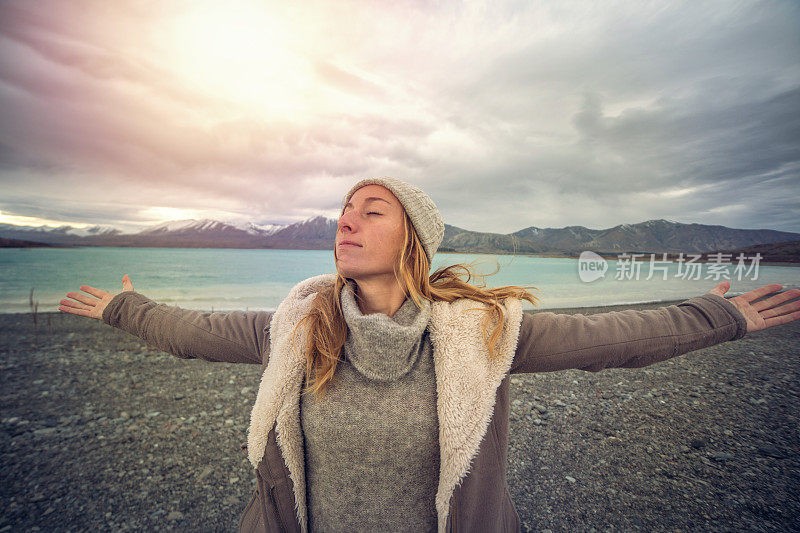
column 318, row 233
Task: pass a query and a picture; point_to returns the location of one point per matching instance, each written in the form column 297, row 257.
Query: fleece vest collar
column 466, row 382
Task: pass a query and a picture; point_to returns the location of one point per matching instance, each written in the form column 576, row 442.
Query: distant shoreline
column 670, row 257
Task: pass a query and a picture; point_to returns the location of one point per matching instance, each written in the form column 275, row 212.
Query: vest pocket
column 269, row 505
column 277, row 509
column 252, row 520
column 277, row 484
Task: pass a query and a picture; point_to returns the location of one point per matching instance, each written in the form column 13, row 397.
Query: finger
column 777, row 299
column 780, row 310
column 722, row 288
column 81, row 298
column 75, row 311
column 93, row 291
column 70, row 304
column 760, row 292
column 783, row 319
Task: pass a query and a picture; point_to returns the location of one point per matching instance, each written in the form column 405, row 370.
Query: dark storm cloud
column 509, row 115
column 48, row 207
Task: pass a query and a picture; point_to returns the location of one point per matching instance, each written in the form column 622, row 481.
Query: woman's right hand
column 88, row 306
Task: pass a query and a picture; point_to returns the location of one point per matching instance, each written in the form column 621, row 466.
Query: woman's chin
column 354, row 271
column 347, row 271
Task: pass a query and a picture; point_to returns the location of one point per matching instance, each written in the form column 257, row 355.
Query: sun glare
column 162, row 214
column 241, row 52
column 19, row 220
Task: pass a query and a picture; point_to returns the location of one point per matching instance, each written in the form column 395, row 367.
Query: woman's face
column 373, row 219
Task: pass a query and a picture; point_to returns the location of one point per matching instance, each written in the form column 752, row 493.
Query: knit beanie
column 421, row 210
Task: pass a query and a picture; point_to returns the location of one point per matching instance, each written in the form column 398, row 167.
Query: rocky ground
column 97, row 432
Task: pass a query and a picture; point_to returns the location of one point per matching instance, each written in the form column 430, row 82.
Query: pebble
column 770, row 451
column 722, row 456
column 207, row 471
column 698, row 443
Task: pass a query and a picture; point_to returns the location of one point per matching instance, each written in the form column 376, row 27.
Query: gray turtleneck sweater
column 372, row 444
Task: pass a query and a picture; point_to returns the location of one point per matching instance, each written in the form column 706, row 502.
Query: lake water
column 225, row 279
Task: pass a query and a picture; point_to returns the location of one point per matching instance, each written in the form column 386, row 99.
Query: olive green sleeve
column 629, row 338
column 235, row 337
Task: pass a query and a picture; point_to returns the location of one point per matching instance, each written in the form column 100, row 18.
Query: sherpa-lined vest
column 466, row 382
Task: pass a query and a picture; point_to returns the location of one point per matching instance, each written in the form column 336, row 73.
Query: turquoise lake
column 229, row 279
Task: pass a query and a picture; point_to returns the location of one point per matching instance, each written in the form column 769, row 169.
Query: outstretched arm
column 551, row 341
column 236, row 337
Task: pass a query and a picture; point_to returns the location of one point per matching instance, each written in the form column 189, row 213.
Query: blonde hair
column 328, row 329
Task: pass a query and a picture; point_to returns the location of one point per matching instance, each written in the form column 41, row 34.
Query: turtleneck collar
column 380, row 347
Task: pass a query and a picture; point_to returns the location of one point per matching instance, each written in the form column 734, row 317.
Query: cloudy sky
column 509, row 115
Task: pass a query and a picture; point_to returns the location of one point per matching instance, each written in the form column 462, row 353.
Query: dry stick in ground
column 34, row 310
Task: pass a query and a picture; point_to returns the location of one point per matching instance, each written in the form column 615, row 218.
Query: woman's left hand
column 765, row 313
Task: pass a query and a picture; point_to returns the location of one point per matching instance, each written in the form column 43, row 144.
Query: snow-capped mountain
column 319, row 232
column 188, row 226
column 315, row 232
column 210, row 225
column 257, row 229
column 95, row 230
column 64, row 231
column 318, row 227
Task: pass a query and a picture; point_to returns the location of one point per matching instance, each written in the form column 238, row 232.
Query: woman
column 383, row 405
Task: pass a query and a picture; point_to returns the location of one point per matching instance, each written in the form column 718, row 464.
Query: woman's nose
column 346, row 220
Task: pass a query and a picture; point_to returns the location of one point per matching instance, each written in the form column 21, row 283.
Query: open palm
column 766, row 313
column 92, row 307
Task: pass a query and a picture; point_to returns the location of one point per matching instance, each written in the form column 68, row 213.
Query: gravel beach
column 99, row 432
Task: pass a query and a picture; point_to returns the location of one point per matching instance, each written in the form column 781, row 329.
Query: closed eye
column 373, row 213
